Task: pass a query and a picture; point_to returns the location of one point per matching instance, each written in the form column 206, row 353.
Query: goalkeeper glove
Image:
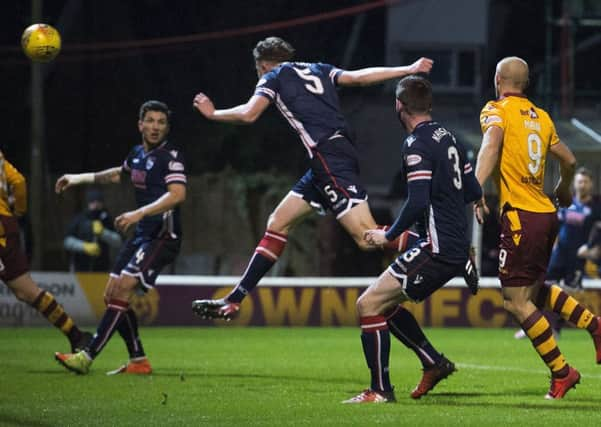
column 91, row 248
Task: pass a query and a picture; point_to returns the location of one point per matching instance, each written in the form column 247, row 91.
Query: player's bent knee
column 22, row 296
column 364, row 305
column 274, row 224
column 511, row 306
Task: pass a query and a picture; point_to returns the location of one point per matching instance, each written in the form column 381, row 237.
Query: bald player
column 517, row 135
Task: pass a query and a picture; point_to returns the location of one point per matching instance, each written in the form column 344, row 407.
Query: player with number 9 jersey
column 528, row 135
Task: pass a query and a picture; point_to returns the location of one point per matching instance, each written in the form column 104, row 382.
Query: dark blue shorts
column 144, row 258
column 565, row 266
column 333, row 182
column 421, row 274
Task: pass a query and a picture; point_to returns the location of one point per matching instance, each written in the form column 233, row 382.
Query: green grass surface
column 289, row 376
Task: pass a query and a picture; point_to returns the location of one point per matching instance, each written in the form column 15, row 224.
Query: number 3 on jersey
column 453, row 155
column 313, row 84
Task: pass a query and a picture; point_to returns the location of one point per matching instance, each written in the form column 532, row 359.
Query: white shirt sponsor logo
column 492, row 119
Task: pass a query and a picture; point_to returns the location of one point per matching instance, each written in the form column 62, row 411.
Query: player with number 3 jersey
column 517, row 136
column 305, row 94
column 440, row 182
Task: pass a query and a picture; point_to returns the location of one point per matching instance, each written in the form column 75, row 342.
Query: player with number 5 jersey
column 517, row 136
column 305, row 94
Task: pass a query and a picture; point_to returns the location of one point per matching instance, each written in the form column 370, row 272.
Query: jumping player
column 157, row 172
column 14, row 268
column 305, row 94
column 517, row 136
column 440, row 182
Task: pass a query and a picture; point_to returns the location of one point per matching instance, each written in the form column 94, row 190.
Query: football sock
column 266, row 254
column 405, row 328
column 539, row 331
column 54, row 312
column 128, row 329
column 555, row 299
column 400, row 243
column 115, row 311
column 375, row 339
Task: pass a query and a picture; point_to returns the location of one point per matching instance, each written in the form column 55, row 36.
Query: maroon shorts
column 526, row 242
column 13, row 262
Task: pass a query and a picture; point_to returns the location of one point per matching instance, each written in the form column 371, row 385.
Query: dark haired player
column 305, row 94
column 157, row 172
column 440, row 182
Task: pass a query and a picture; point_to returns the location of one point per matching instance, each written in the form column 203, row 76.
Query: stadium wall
column 278, row 301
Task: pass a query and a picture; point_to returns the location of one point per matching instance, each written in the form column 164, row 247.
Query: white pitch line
column 514, row 369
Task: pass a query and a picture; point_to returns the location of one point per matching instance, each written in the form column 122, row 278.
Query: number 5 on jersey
column 314, row 84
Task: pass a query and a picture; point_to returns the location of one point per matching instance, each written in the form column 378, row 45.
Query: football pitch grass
column 229, row 376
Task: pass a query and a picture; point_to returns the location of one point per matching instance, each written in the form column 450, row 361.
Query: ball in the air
column 41, row 42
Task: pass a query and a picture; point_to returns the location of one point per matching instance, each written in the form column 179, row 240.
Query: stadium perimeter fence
column 277, row 301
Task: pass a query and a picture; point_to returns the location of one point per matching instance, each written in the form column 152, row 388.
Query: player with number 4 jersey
column 157, row 171
column 305, row 94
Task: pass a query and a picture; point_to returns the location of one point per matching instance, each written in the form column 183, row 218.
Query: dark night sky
column 91, row 103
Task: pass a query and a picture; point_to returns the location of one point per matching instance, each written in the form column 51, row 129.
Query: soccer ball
column 41, row 42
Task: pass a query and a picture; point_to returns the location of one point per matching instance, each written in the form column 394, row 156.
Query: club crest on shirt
column 149, row 163
column 413, row 159
column 176, row 166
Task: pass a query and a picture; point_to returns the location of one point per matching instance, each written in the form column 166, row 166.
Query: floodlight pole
column 37, row 144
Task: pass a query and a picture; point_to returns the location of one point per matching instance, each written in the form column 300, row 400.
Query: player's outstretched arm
column 176, row 194
column 243, row 114
column 107, row 176
column 373, row 75
column 567, row 168
column 488, row 157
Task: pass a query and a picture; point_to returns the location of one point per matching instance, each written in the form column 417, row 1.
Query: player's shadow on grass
column 195, row 374
column 572, row 403
column 14, row 420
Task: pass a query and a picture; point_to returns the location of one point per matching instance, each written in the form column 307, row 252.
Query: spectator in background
column 91, row 235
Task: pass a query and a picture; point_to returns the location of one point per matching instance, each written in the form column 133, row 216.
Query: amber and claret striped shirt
column 528, row 133
column 12, row 186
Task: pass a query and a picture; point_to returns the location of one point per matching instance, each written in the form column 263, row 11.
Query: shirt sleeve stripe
column 334, row 74
column 419, row 172
column 175, row 177
column 420, row 178
column 266, row 92
column 419, row 175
